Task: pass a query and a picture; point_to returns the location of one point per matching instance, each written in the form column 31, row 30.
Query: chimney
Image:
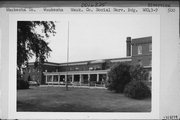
column 128, row 42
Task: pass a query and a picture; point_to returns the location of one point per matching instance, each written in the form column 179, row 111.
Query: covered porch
column 77, row 78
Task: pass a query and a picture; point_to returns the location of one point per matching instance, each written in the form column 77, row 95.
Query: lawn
column 57, row 99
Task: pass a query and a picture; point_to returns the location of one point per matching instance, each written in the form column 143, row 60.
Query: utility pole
column 67, row 58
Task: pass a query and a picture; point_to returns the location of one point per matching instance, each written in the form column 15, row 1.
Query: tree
column 31, row 43
column 118, row 77
column 138, row 73
column 137, row 90
column 128, row 79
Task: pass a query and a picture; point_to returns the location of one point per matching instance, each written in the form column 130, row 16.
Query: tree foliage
column 137, row 90
column 118, row 77
column 31, row 43
column 138, row 73
column 21, row 84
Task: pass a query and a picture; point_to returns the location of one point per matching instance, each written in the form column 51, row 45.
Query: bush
column 137, row 90
column 138, row 73
column 21, row 84
column 119, row 76
column 29, row 78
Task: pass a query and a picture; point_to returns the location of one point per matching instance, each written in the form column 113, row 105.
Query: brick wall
column 146, row 57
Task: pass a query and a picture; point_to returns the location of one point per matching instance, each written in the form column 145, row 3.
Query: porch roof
column 77, row 72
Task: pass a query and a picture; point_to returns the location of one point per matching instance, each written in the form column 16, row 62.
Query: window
column 49, row 78
column 55, row 78
column 139, row 49
column 150, row 47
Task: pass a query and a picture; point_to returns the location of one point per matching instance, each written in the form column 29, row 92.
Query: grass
column 57, row 99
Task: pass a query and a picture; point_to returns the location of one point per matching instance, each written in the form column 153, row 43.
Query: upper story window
column 150, row 47
column 139, row 49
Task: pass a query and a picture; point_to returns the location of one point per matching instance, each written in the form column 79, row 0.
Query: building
column 92, row 72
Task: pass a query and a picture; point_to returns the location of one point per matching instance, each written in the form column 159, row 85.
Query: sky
column 98, row 36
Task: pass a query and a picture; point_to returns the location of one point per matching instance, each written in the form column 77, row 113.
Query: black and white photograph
column 88, row 63
column 89, row 60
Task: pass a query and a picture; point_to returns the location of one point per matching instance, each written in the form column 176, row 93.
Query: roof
column 98, row 61
column 45, row 63
column 142, row 40
column 86, row 62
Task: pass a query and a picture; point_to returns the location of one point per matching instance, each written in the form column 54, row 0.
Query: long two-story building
column 139, row 51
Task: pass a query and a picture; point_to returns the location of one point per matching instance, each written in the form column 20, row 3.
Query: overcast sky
column 93, row 36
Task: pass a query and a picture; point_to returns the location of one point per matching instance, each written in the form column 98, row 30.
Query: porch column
column 46, row 78
column 89, row 79
column 52, row 79
column 65, row 78
column 80, row 79
column 72, row 78
column 58, row 79
column 97, row 78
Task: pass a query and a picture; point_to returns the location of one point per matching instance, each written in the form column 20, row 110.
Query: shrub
column 119, row 76
column 138, row 73
column 22, row 84
column 137, row 90
column 29, row 78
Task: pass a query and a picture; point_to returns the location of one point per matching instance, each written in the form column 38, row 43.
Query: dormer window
column 139, row 49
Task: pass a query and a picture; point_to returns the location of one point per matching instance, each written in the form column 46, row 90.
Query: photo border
column 13, row 18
